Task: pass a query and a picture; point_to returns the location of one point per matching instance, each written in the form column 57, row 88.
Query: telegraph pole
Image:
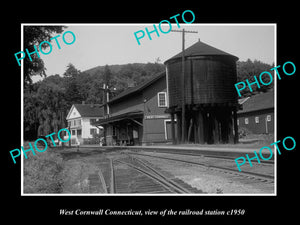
column 183, row 130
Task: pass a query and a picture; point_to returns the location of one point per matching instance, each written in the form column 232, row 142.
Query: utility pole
column 104, row 98
column 183, row 129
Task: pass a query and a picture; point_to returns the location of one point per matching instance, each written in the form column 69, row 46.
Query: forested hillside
column 47, row 102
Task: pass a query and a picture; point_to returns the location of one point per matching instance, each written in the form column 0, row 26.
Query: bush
column 42, row 172
column 243, row 132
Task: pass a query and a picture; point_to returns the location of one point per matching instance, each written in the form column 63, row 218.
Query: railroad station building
column 137, row 116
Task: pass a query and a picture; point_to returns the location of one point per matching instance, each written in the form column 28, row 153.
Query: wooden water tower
column 209, row 96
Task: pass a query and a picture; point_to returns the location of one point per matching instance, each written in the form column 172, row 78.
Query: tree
column 52, row 105
column 107, row 75
column 34, row 35
column 72, row 94
column 31, row 109
column 248, row 69
column 45, row 107
column 95, row 92
column 71, row 71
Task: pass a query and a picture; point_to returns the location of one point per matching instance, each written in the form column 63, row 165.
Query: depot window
column 162, row 99
column 256, row 119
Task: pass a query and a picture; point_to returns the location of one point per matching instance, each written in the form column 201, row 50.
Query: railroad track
column 207, row 154
column 212, row 166
column 132, row 175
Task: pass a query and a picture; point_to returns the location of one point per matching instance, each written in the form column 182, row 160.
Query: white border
column 142, row 24
column 275, row 109
column 22, row 112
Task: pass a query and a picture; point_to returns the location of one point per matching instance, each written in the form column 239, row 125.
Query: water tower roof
column 202, row 49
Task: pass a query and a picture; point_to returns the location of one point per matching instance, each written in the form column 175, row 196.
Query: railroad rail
column 207, row 164
column 132, row 175
column 202, row 153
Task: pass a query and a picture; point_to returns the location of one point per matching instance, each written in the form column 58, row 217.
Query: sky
column 98, row 45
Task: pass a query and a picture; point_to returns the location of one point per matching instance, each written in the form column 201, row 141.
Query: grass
column 260, row 140
column 78, row 166
column 43, row 172
column 76, row 179
column 58, row 171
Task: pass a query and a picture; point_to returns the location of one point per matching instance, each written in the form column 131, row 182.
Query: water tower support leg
column 200, row 128
column 236, row 133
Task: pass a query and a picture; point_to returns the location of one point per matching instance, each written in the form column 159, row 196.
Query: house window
column 93, row 131
column 75, row 123
column 256, row 119
column 92, row 121
column 73, row 132
column 246, row 121
column 162, row 99
column 268, row 118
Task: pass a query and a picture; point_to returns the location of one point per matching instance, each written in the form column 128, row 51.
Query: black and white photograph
column 124, row 114
column 157, row 117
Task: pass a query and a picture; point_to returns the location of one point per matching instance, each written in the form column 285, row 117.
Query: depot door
column 168, row 130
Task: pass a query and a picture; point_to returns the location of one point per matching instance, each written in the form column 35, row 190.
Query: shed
column 257, row 113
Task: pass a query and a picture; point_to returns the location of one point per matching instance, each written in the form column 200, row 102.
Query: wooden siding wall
column 150, row 94
column 257, row 128
column 208, row 80
column 154, row 129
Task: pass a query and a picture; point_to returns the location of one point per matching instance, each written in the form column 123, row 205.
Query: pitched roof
column 90, row 110
column 258, row 102
column 201, row 49
column 113, row 118
column 138, row 88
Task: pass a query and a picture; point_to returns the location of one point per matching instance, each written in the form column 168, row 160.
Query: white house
column 80, row 119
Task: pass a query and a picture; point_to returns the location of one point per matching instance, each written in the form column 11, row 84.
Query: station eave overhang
column 126, row 116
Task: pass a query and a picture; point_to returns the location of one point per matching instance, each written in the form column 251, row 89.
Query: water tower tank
column 210, row 75
column 210, row 104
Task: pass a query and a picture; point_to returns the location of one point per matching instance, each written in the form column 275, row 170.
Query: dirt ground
column 80, row 167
